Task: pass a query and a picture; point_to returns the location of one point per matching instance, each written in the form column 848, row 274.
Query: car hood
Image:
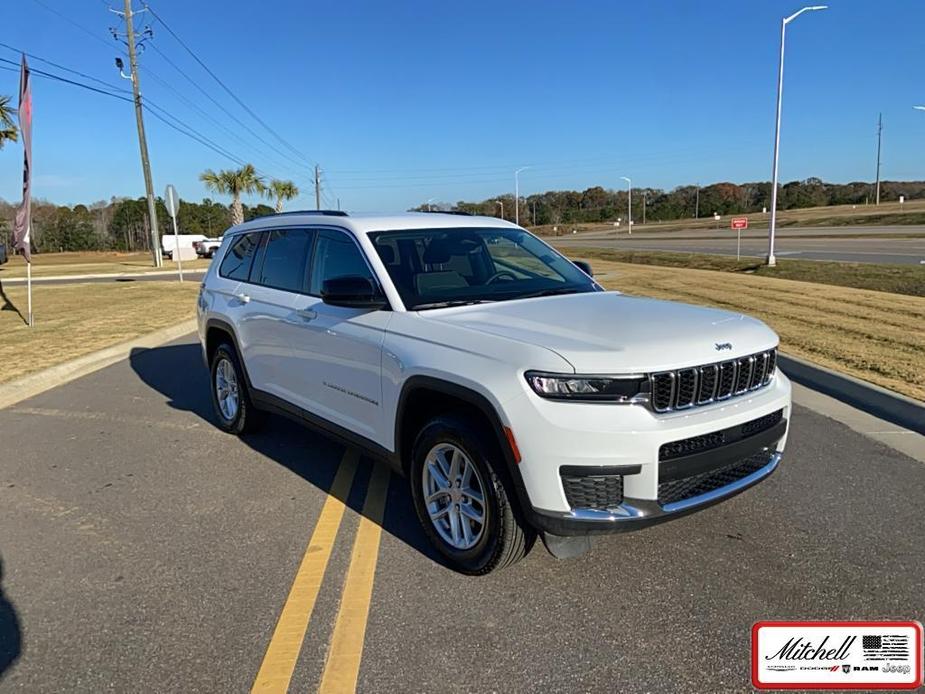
column 609, row 332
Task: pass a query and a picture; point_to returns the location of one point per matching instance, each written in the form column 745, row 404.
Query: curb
column 867, row 397
column 33, row 384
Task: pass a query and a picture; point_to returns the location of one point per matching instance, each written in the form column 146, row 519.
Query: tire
column 226, row 369
column 504, row 538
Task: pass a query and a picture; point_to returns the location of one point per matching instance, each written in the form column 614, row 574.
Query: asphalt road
column 878, row 245
column 144, row 550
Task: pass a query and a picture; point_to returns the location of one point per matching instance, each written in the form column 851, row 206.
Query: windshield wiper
column 553, row 292
column 453, row 302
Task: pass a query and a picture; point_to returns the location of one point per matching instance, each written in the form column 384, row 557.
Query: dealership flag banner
column 22, row 225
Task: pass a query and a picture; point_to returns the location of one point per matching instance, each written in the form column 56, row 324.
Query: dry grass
column 873, row 335
column 49, row 264
column 76, row 319
column 896, row 279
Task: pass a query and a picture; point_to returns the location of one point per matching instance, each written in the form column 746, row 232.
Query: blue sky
column 404, row 101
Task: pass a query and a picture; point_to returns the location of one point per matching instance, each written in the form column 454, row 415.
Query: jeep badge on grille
column 720, row 346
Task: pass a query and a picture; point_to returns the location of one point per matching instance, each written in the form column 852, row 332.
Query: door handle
column 243, row 298
column 307, row 314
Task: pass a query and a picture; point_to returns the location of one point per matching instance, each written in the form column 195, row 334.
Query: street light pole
column 517, row 193
column 629, row 203
column 771, row 260
column 498, row 202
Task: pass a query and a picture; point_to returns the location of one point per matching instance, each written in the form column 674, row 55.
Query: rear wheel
column 230, row 397
column 461, row 499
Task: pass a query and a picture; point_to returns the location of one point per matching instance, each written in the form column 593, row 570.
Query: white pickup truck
column 516, row 395
column 207, row 247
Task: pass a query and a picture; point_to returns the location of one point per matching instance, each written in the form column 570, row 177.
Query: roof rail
column 456, row 212
column 324, row 213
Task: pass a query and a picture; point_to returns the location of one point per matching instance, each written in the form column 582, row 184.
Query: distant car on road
column 207, row 247
column 516, row 395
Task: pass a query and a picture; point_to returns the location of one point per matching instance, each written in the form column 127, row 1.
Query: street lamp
column 427, row 204
column 629, row 201
column 498, row 202
column 517, row 194
column 772, row 261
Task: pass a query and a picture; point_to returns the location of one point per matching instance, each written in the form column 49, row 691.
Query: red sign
column 740, row 223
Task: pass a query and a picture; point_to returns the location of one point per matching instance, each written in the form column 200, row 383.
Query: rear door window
column 236, row 265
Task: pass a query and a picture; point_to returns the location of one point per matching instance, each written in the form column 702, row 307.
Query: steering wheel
column 502, row 273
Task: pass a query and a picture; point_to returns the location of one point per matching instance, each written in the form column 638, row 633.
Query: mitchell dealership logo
column 798, row 649
column 720, row 346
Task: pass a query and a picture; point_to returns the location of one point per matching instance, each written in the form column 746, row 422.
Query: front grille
column 715, row 439
column 599, row 491
column 678, row 390
column 672, row 491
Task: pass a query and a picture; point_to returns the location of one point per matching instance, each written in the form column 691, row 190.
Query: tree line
column 121, row 224
column 598, row 204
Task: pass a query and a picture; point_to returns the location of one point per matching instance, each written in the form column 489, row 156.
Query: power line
column 33, row 56
column 224, row 110
column 225, row 87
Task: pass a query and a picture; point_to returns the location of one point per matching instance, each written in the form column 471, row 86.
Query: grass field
column 873, row 335
column 73, row 320
column 897, row 279
column 50, row 264
column 912, row 212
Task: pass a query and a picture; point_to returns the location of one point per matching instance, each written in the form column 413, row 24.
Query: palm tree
column 243, row 181
column 282, row 190
column 7, row 126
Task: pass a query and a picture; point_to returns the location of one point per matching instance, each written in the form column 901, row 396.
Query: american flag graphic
column 885, row 647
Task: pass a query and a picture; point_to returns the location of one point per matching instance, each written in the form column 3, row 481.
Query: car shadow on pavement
column 177, row 372
column 10, row 631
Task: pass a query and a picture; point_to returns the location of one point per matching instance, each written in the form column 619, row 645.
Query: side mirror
column 584, row 266
column 352, row 291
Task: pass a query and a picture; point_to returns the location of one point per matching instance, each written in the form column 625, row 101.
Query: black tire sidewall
column 236, row 425
column 469, row 439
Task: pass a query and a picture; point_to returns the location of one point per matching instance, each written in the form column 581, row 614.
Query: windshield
column 433, row 268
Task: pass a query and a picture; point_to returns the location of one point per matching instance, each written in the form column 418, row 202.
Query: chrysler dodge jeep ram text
column 516, row 395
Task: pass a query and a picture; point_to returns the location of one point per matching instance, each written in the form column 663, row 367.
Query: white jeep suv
column 516, row 395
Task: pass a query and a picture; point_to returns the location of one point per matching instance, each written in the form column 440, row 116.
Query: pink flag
column 22, row 223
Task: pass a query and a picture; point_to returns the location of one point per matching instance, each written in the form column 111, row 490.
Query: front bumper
column 557, row 440
column 633, row 514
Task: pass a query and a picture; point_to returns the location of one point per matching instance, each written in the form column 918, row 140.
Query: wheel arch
column 218, row 331
column 424, row 397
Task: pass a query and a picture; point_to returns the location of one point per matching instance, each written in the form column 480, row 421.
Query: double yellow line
column 342, row 665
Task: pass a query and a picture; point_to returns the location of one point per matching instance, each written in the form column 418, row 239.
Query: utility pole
column 697, row 204
column 142, row 140
column 879, row 132
column 317, row 188
column 644, row 208
column 629, row 203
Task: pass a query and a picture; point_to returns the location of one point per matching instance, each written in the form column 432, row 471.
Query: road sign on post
column 739, row 223
column 172, row 202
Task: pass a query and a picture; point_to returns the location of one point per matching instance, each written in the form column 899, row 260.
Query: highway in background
column 895, row 244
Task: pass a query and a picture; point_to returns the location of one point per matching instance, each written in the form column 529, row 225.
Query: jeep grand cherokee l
column 516, row 395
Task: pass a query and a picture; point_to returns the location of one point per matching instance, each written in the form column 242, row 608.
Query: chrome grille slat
column 700, row 385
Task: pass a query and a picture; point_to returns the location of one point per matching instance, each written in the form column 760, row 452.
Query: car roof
column 366, row 223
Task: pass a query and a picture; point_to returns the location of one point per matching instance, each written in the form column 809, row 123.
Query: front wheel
column 462, row 502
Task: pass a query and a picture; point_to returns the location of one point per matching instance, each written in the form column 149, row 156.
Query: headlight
column 586, row 388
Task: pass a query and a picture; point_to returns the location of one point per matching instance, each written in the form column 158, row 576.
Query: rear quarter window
column 236, row 265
